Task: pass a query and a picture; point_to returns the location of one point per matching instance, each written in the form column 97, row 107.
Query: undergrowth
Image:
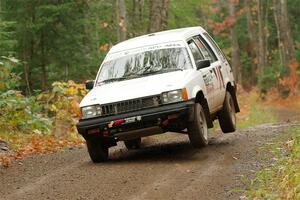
column 280, row 179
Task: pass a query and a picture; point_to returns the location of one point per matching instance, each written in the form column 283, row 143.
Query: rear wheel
column 197, row 129
column 227, row 119
column 97, row 150
column 133, row 144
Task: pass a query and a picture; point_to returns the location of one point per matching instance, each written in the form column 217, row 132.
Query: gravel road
column 167, row 167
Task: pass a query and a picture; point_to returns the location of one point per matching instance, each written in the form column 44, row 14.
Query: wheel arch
column 232, row 88
column 200, row 98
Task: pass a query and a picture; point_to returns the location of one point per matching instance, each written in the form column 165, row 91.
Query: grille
column 130, row 105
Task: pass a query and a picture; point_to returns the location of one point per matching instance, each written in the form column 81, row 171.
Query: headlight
column 174, row 96
column 91, row 111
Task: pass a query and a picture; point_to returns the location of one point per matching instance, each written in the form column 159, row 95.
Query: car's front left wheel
column 197, row 129
column 98, row 151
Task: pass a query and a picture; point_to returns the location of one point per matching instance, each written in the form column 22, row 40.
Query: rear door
column 225, row 69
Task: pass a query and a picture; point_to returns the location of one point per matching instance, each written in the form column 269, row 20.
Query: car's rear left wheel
column 227, row 119
column 98, row 151
column 197, row 129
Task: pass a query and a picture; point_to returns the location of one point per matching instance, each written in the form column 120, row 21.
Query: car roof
column 157, row 38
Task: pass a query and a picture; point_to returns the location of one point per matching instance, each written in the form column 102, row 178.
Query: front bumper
column 150, row 117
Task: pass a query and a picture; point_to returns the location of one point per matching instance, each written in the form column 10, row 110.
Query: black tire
column 97, row 150
column 133, row 144
column 197, row 129
column 227, row 119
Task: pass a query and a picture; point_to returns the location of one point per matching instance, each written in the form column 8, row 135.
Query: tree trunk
column 252, row 41
column 121, row 20
column 261, row 39
column 265, row 30
column 235, row 50
column 26, row 74
column 43, row 64
column 158, row 15
column 155, row 15
column 137, row 17
column 285, row 41
column 141, row 10
column 164, row 14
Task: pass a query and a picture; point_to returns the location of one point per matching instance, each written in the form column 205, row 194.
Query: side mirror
column 89, row 84
column 200, row 64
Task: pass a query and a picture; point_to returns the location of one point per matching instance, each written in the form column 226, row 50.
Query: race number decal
column 208, row 82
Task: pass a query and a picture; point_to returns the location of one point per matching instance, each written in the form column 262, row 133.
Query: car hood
column 136, row 88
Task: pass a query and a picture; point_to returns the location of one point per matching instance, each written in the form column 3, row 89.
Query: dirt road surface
column 167, row 167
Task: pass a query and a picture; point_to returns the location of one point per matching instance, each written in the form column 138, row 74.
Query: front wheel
column 197, row 129
column 98, row 151
column 227, row 119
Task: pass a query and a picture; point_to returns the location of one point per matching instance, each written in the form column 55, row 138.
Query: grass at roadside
column 280, row 179
column 258, row 114
column 253, row 111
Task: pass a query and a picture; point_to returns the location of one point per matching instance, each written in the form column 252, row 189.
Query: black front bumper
column 149, row 118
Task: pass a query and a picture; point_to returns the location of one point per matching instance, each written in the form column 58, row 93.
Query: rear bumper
column 143, row 119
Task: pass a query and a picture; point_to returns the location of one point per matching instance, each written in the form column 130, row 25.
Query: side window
column 204, row 46
column 219, row 51
column 195, row 51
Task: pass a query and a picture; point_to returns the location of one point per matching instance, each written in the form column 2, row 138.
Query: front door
column 206, row 73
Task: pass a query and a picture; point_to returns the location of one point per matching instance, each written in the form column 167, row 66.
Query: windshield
column 144, row 63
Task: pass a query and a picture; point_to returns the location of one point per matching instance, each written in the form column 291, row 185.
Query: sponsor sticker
column 125, row 121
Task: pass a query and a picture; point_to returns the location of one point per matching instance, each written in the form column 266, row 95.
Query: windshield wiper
column 160, row 71
column 112, row 80
column 172, row 69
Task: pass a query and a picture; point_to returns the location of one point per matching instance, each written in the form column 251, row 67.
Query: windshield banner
column 169, row 45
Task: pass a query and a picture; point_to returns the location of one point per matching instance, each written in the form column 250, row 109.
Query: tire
column 97, row 150
column 133, row 144
column 227, row 119
column 197, row 129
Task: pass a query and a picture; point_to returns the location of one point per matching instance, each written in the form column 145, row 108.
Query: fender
column 232, row 88
column 200, row 98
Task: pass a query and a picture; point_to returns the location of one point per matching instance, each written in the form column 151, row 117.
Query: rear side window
column 219, row 51
column 195, row 51
column 206, row 50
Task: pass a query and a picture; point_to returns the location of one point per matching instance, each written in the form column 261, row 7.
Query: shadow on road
column 165, row 151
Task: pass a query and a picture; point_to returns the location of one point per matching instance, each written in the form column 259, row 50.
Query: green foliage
column 62, row 105
column 21, row 113
column 7, row 37
column 18, row 113
column 62, row 40
column 271, row 74
column 54, row 38
column 185, row 14
column 56, row 110
column 8, row 79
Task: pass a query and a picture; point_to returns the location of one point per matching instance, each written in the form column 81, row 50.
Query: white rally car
column 167, row 81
